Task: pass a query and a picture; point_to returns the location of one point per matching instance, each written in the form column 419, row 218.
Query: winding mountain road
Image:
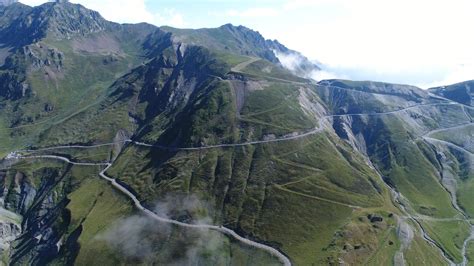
column 274, row 252
column 225, row 230
column 471, row 154
column 450, row 144
column 289, row 137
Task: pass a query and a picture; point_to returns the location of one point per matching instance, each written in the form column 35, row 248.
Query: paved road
column 317, row 130
column 227, row 231
column 449, row 128
column 64, row 159
column 284, row 260
column 463, row 150
column 74, row 147
column 289, row 137
column 452, row 145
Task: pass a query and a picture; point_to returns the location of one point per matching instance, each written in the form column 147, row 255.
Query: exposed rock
column 348, row 247
column 9, row 231
column 48, row 107
column 375, row 218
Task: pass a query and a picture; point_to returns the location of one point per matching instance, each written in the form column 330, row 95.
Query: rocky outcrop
column 34, row 216
column 13, row 86
column 57, row 20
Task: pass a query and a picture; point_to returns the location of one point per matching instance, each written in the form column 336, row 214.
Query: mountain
column 7, row 2
column 133, row 144
column 462, row 92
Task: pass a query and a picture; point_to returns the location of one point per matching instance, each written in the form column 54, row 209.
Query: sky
column 420, row 42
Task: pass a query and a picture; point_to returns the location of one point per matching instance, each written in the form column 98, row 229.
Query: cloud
column 135, row 236
column 258, row 12
column 297, row 4
column 169, row 17
column 140, row 238
column 32, row 2
column 453, row 75
column 403, row 41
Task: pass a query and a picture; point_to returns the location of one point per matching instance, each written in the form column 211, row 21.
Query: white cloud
column 170, row 17
column 453, row 75
column 33, row 2
column 254, row 12
column 405, row 41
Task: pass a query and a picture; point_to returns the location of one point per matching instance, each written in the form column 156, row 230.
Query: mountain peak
column 59, row 19
column 66, row 19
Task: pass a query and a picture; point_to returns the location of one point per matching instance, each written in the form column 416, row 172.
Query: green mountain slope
column 206, row 127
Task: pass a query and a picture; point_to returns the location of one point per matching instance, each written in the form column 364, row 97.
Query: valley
column 134, row 144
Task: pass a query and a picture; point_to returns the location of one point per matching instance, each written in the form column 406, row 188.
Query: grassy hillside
column 327, row 173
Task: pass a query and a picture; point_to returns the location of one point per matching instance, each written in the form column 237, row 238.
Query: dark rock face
column 374, row 218
column 252, row 39
column 12, row 86
column 42, row 207
column 60, row 20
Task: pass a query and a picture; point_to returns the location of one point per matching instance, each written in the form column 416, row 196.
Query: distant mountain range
column 124, row 143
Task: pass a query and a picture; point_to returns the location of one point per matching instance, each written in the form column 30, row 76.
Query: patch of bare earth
column 98, row 44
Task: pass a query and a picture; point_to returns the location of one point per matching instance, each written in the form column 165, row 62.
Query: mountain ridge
column 208, row 127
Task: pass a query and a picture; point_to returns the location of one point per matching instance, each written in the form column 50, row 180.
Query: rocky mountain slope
column 102, row 124
column 7, row 2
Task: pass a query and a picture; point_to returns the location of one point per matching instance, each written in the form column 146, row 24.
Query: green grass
column 276, row 110
column 407, row 167
column 456, row 136
column 98, row 154
column 450, row 235
column 307, row 187
column 99, row 216
column 231, row 59
column 291, row 213
column 67, row 91
column 361, row 242
column 470, row 253
column 266, row 70
column 249, row 176
column 422, row 253
column 465, row 190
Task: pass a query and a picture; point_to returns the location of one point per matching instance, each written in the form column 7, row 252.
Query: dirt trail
column 239, row 67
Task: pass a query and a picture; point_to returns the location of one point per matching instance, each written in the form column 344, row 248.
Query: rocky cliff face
column 55, row 20
column 32, row 215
